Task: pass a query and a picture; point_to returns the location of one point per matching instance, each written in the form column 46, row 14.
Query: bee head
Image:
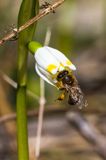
column 65, row 77
column 62, row 74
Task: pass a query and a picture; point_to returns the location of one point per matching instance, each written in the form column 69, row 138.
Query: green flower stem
column 28, row 10
column 22, row 124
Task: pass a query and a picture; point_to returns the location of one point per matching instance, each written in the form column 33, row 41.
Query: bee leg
column 62, row 96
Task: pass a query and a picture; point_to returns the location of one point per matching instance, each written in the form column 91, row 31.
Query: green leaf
column 28, row 9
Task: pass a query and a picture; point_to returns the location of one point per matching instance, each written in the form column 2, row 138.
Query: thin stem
column 40, row 118
column 42, row 103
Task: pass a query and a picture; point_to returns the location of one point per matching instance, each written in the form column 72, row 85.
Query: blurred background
column 78, row 29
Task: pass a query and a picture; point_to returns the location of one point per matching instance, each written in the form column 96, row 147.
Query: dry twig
column 51, row 110
column 12, row 83
column 43, row 13
column 89, row 133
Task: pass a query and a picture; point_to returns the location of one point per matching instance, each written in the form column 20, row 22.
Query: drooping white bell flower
column 49, row 61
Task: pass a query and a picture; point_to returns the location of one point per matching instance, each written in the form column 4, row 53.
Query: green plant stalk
column 22, row 124
column 28, row 9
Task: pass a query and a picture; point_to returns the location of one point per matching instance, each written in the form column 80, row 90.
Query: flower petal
column 46, row 60
column 61, row 57
column 42, row 73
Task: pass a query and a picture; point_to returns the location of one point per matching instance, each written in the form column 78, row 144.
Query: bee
column 68, row 83
column 56, row 69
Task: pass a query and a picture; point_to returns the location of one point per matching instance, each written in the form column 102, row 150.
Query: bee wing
column 61, row 57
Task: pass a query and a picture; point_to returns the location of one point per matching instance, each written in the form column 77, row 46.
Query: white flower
column 49, row 62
